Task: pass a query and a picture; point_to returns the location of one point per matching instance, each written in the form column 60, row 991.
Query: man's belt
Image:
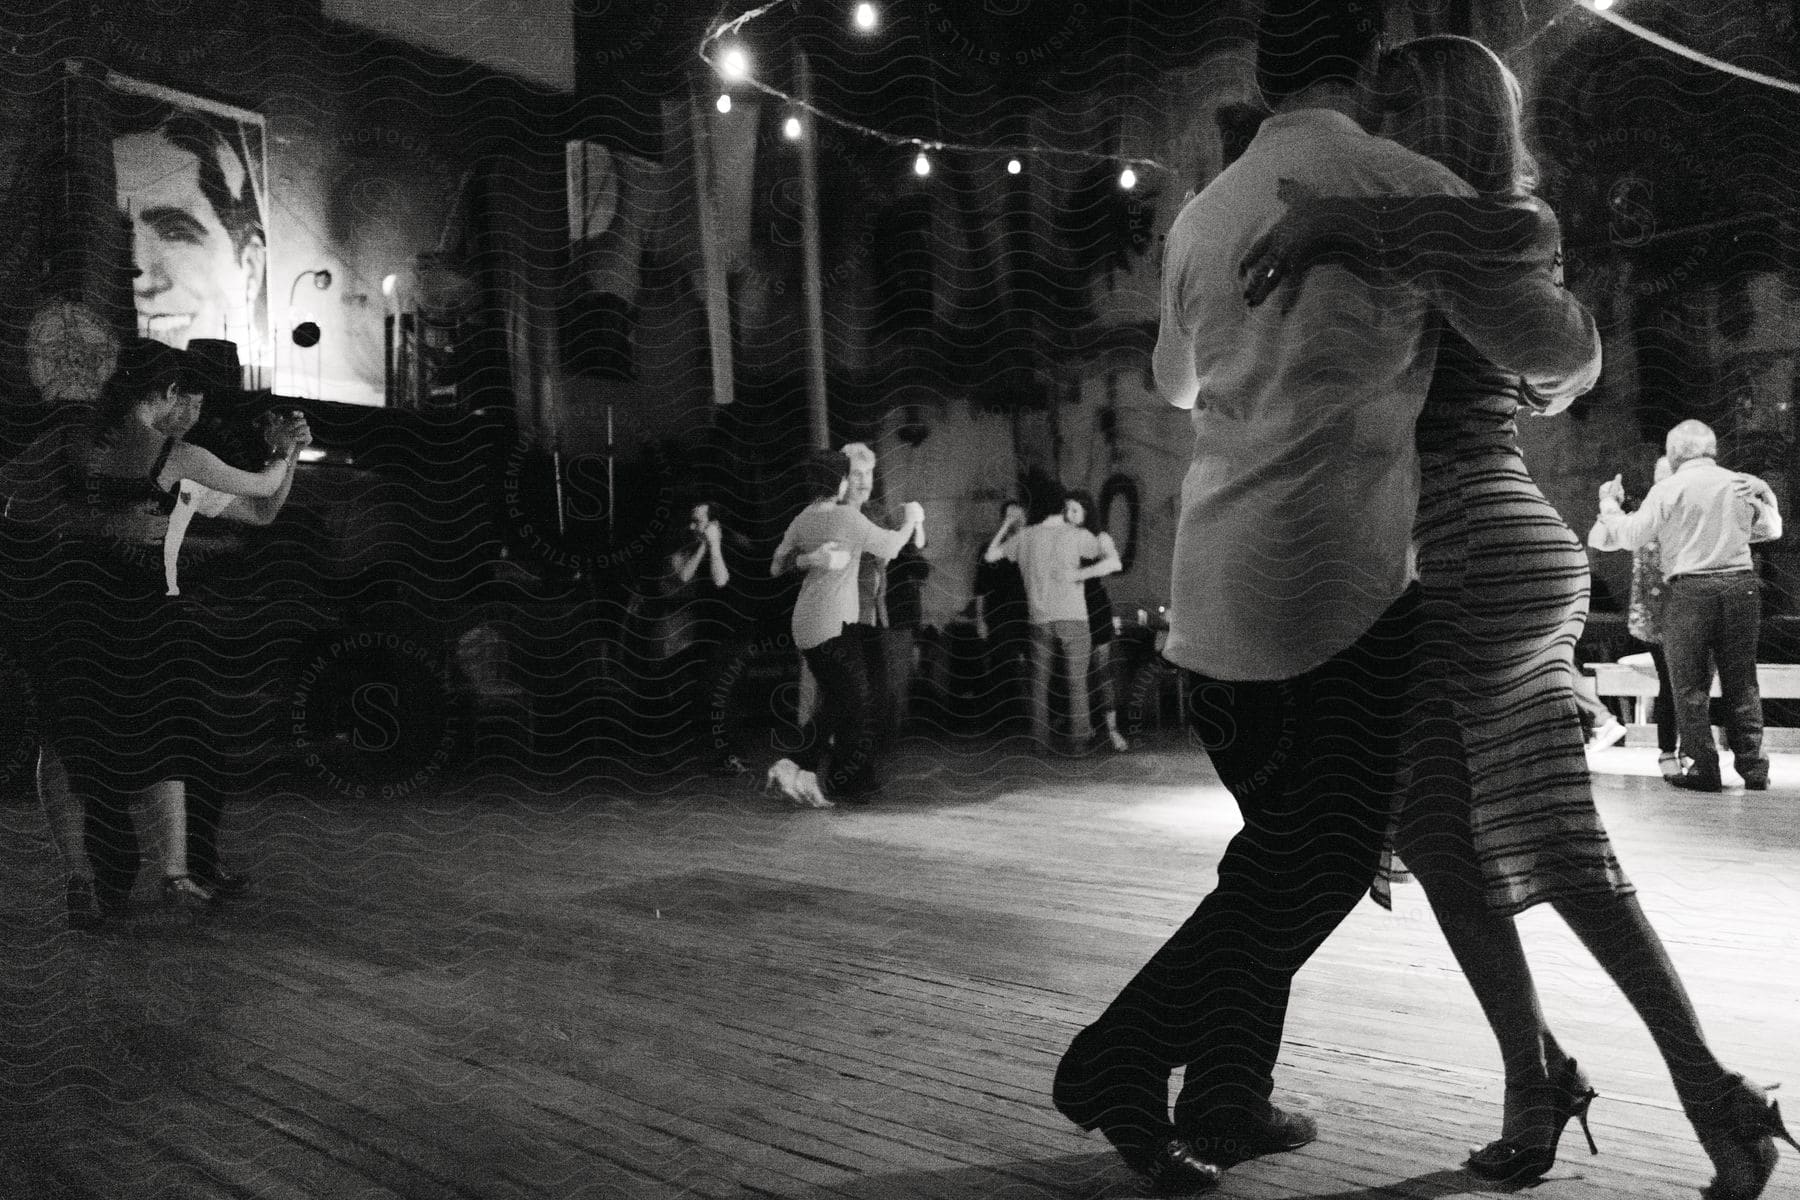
column 1722, row 574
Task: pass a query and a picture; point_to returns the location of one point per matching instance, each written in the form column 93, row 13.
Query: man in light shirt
column 1049, row 555
column 887, row 652
column 1704, row 518
column 1291, row 606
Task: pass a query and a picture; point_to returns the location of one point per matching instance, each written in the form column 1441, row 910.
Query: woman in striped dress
column 1504, row 598
column 1499, row 812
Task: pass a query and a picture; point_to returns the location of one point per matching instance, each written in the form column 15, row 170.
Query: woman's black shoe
column 1511, row 1160
column 1738, row 1133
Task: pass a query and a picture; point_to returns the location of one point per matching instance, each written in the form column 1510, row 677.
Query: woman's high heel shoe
column 1512, row 1160
column 1738, row 1134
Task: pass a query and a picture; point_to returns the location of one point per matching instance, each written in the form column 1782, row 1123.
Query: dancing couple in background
column 125, row 669
column 828, row 540
column 1062, row 555
column 1355, row 323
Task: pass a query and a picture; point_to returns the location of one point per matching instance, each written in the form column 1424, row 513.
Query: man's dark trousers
column 1714, row 619
column 1313, row 763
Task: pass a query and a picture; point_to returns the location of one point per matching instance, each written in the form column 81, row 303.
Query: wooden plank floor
column 678, row 988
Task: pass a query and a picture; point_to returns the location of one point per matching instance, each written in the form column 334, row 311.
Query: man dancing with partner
column 1292, row 610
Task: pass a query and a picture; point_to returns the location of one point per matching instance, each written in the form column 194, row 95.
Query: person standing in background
column 1704, row 519
column 1002, row 621
column 692, row 619
column 906, row 576
column 1080, row 511
column 1644, row 622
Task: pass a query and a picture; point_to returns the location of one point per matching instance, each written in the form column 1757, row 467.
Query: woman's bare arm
column 206, row 468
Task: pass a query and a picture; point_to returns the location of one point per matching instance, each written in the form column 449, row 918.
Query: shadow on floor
column 1095, row 1177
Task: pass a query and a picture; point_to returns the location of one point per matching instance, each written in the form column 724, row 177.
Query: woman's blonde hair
column 1468, row 110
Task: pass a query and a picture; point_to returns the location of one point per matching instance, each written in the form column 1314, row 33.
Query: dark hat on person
column 145, row 358
column 216, row 365
column 146, row 366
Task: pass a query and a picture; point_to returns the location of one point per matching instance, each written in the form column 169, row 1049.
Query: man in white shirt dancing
column 1291, row 610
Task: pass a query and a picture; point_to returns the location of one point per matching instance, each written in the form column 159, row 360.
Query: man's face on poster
column 193, row 281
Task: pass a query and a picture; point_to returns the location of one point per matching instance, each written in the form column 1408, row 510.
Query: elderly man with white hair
column 1704, row 520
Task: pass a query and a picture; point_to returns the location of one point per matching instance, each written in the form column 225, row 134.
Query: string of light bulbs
column 1604, row 9
column 733, row 64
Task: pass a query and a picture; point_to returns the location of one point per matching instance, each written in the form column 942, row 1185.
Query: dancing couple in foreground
column 1356, row 321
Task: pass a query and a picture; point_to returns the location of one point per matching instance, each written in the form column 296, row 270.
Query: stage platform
column 676, row 986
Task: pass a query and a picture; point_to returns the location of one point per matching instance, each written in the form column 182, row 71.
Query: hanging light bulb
column 865, row 17
column 1602, row 5
column 793, row 129
column 1128, row 179
column 921, row 165
column 1014, row 166
column 735, row 63
column 723, row 104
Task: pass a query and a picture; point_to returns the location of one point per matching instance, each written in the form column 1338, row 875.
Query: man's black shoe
column 1175, row 1169
column 1697, row 781
column 1231, row 1140
column 1127, row 1101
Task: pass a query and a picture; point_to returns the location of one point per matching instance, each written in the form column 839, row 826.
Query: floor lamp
column 305, row 334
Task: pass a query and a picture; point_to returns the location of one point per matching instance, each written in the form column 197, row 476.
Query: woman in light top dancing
column 827, row 540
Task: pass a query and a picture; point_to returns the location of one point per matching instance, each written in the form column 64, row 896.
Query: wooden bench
column 1635, row 676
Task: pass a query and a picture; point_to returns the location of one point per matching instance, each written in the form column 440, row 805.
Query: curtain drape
column 520, row 233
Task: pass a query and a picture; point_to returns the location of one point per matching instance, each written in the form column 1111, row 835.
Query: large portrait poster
column 193, row 185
